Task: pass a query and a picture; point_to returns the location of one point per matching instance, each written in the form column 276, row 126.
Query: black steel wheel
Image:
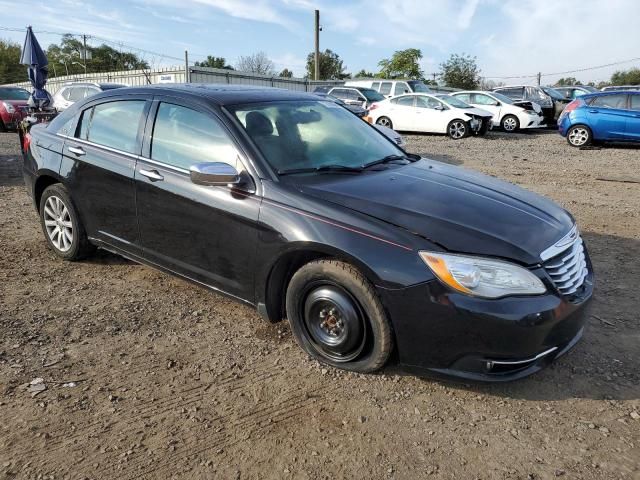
column 336, row 317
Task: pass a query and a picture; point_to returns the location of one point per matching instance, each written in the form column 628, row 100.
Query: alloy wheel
column 578, row 136
column 58, row 224
column 384, row 121
column 334, row 323
column 457, row 129
column 509, row 124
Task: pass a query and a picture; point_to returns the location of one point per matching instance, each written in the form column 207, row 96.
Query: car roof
column 220, row 94
column 610, row 92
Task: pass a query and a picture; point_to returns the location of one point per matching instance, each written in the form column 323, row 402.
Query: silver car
column 72, row 92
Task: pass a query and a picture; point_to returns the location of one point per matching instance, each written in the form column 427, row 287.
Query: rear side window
column 183, row 137
column 385, row 88
column 635, row 102
column 76, row 94
column 465, row 97
column 401, row 88
column 515, row 93
column 610, row 101
column 405, row 101
column 113, row 124
column 376, row 86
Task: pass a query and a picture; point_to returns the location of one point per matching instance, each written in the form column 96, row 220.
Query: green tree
column 628, row 77
column 66, row 58
column 286, row 73
column 402, row 64
column 214, row 62
column 460, row 71
column 567, row 82
column 10, row 69
column 331, row 66
column 364, row 74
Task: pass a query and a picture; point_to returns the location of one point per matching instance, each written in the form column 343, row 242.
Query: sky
column 508, row 37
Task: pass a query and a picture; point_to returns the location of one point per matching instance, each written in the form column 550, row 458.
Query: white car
column 419, row 112
column 73, row 92
column 510, row 115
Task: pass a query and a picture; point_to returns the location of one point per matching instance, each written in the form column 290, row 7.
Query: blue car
column 605, row 116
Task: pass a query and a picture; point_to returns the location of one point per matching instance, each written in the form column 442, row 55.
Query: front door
column 430, row 115
column 633, row 118
column 207, row 233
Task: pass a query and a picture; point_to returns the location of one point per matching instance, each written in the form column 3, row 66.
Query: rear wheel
column 457, row 129
column 61, row 224
column 385, row 122
column 510, row 123
column 579, row 136
column 337, row 318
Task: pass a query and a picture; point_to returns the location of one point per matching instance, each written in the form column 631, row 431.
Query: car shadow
column 103, row 257
column 605, row 364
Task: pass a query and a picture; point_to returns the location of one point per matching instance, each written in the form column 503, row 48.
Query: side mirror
column 439, row 107
column 214, row 173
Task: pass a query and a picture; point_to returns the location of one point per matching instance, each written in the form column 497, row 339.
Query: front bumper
column 532, row 121
column 446, row 333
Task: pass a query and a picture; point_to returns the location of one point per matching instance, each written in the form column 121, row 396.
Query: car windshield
column 307, row 135
column 453, row 101
column 14, row 94
column 553, row 93
column 589, row 88
column 371, row 95
column 502, row 98
column 419, row 87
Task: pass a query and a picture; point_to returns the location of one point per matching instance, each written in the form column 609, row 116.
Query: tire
column 61, row 224
column 385, row 122
column 337, row 318
column 579, row 136
column 458, row 129
column 510, row 123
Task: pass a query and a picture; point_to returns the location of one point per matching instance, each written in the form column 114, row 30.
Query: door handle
column 77, row 150
column 152, row 175
column 593, row 111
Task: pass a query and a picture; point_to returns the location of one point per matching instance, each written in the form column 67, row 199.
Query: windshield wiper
column 387, row 159
column 323, row 168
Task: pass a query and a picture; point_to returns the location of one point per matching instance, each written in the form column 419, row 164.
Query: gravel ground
column 148, row 376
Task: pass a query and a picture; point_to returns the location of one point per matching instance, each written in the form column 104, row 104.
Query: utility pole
column 539, row 76
column 434, row 77
column 186, row 67
column 316, row 75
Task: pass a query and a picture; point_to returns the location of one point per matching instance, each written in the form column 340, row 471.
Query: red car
column 13, row 107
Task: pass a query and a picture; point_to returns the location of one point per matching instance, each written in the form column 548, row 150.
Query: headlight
column 482, row 277
column 8, row 107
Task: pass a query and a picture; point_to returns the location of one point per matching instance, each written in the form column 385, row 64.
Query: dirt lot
column 170, row 380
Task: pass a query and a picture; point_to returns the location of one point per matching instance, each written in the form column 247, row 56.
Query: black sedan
column 293, row 205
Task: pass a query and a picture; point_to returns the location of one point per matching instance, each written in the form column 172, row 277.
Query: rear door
column 633, row 120
column 608, row 116
column 207, row 233
column 99, row 161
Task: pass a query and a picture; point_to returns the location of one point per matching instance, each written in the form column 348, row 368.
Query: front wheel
column 457, row 129
column 337, row 318
column 385, row 122
column 61, row 224
column 579, row 136
column 510, row 123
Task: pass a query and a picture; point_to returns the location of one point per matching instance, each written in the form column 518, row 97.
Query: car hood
column 477, row 111
column 527, row 105
column 458, row 209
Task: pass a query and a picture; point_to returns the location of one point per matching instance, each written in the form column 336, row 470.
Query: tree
column 402, row 64
column 286, row 73
column 10, row 69
column 488, row 84
column 628, row 77
column 567, row 82
column 214, row 62
column 257, row 63
column 364, row 74
column 331, row 66
column 460, row 71
column 66, row 59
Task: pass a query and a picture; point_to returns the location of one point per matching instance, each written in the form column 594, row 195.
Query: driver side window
column 481, row 99
column 183, row 137
column 428, row 102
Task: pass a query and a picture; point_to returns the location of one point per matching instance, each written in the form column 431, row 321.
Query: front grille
column 568, row 269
